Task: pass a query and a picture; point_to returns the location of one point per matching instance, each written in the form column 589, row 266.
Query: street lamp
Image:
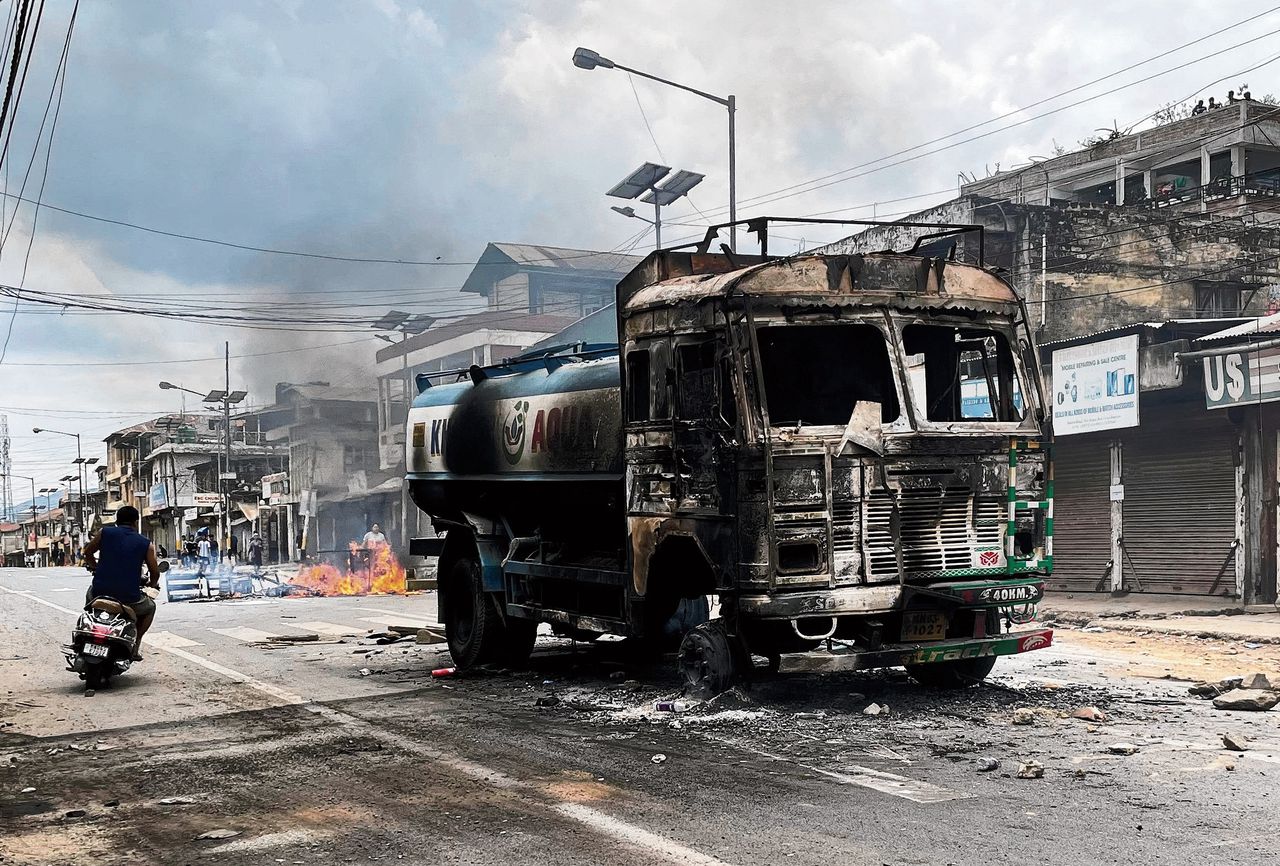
column 227, row 398
column 585, row 58
column 79, row 469
column 645, row 181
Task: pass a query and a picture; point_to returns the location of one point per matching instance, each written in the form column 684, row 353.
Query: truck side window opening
column 638, row 386
column 962, row 374
column 696, row 380
column 817, row 374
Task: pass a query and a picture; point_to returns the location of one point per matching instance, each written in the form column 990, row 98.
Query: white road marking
column 66, row 589
column 600, row 822
column 330, row 628
column 865, row 777
column 248, row 635
column 168, row 640
column 401, row 620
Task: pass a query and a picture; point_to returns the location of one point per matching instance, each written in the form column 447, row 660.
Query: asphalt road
column 342, row 751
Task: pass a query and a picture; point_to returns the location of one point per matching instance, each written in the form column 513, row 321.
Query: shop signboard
column 1237, row 378
column 1095, row 386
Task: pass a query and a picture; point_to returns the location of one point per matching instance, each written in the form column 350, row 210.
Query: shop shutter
column 1180, row 502
column 1082, row 513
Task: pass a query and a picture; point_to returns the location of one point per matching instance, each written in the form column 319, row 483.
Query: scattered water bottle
column 672, row 706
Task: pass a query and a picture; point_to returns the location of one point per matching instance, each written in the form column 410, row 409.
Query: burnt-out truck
column 846, row 451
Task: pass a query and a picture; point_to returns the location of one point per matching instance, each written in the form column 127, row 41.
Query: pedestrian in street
column 203, row 552
column 255, row 552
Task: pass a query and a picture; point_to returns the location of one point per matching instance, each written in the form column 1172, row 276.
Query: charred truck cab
column 846, row 451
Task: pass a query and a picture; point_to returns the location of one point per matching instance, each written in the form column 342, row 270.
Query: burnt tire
column 471, row 621
column 707, row 660
column 959, row 674
column 474, row 628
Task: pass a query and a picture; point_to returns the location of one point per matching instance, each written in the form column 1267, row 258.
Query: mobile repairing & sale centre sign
column 1095, row 386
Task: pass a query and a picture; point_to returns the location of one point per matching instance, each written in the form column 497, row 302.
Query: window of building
column 1217, row 300
column 358, row 457
column 961, row 374
column 1134, row 189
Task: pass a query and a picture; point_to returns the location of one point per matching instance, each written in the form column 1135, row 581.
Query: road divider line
column 591, row 818
column 167, row 640
column 245, row 634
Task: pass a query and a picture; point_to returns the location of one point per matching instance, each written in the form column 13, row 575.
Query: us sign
column 1242, row 377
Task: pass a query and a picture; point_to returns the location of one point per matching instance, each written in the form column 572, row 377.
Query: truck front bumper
column 895, row 655
column 858, row 600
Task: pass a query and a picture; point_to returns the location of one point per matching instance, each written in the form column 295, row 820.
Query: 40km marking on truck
column 1020, row 592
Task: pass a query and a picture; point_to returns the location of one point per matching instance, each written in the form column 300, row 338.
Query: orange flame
column 376, row 572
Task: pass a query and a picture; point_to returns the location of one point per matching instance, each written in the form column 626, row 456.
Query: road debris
column 1124, row 749
column 178, row 801
column 293, row 638
column 1090, row 714
column 438, row 673
column 673, row 706
column 987, row 765
column 1212, row 690
column 1257, row 681
column 547, row 701
column 1235, row 742
column 874, row 710
column 1031, row 770
column 221, row 833
column 1255, row 700
column 658, row 758
column 1024, row 716
column 364, row 672
column 74, row 813
column 427, row 636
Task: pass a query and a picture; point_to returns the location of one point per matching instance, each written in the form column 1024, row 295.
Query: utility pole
column 226, row 423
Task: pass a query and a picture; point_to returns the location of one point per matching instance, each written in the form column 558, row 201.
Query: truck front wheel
column 958, row 674
column 475, row 630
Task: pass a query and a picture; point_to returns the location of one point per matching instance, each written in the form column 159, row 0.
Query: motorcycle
column 104, row 639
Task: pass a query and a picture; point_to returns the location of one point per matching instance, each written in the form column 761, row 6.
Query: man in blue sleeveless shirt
column 123, row 552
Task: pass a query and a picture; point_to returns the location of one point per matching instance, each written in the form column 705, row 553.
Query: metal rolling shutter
column 1180, row 504
column 1082, row 513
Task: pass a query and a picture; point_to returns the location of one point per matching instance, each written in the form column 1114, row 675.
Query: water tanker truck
column 845, row 451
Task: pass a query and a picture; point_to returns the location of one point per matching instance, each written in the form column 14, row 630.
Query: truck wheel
column 471, row 623
column 958, row 674
column 706, row 660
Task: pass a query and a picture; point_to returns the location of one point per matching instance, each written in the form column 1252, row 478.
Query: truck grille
column 942, row 529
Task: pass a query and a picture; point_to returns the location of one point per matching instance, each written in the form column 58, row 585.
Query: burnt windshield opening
column 961, row 374
column 817, row 374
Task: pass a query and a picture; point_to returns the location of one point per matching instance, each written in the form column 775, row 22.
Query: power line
column 833, row 178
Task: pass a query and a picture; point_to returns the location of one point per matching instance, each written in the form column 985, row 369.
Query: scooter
column 103, row 640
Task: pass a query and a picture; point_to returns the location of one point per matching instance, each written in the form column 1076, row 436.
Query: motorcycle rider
column 124, row 551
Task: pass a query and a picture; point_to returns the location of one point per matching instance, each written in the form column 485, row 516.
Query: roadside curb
column 1150, row 627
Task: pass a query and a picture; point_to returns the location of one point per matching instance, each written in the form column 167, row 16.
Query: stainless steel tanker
column 845, row 451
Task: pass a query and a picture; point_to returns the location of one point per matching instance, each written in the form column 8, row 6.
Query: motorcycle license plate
column 97, row 649
column 924, row 625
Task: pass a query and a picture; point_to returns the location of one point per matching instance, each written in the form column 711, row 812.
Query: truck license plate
column 924, row 625
column 97, row 649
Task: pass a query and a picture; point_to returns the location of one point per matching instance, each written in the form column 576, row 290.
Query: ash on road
column 224, row 746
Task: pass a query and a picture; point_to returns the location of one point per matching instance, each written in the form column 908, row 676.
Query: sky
column 414, row 130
